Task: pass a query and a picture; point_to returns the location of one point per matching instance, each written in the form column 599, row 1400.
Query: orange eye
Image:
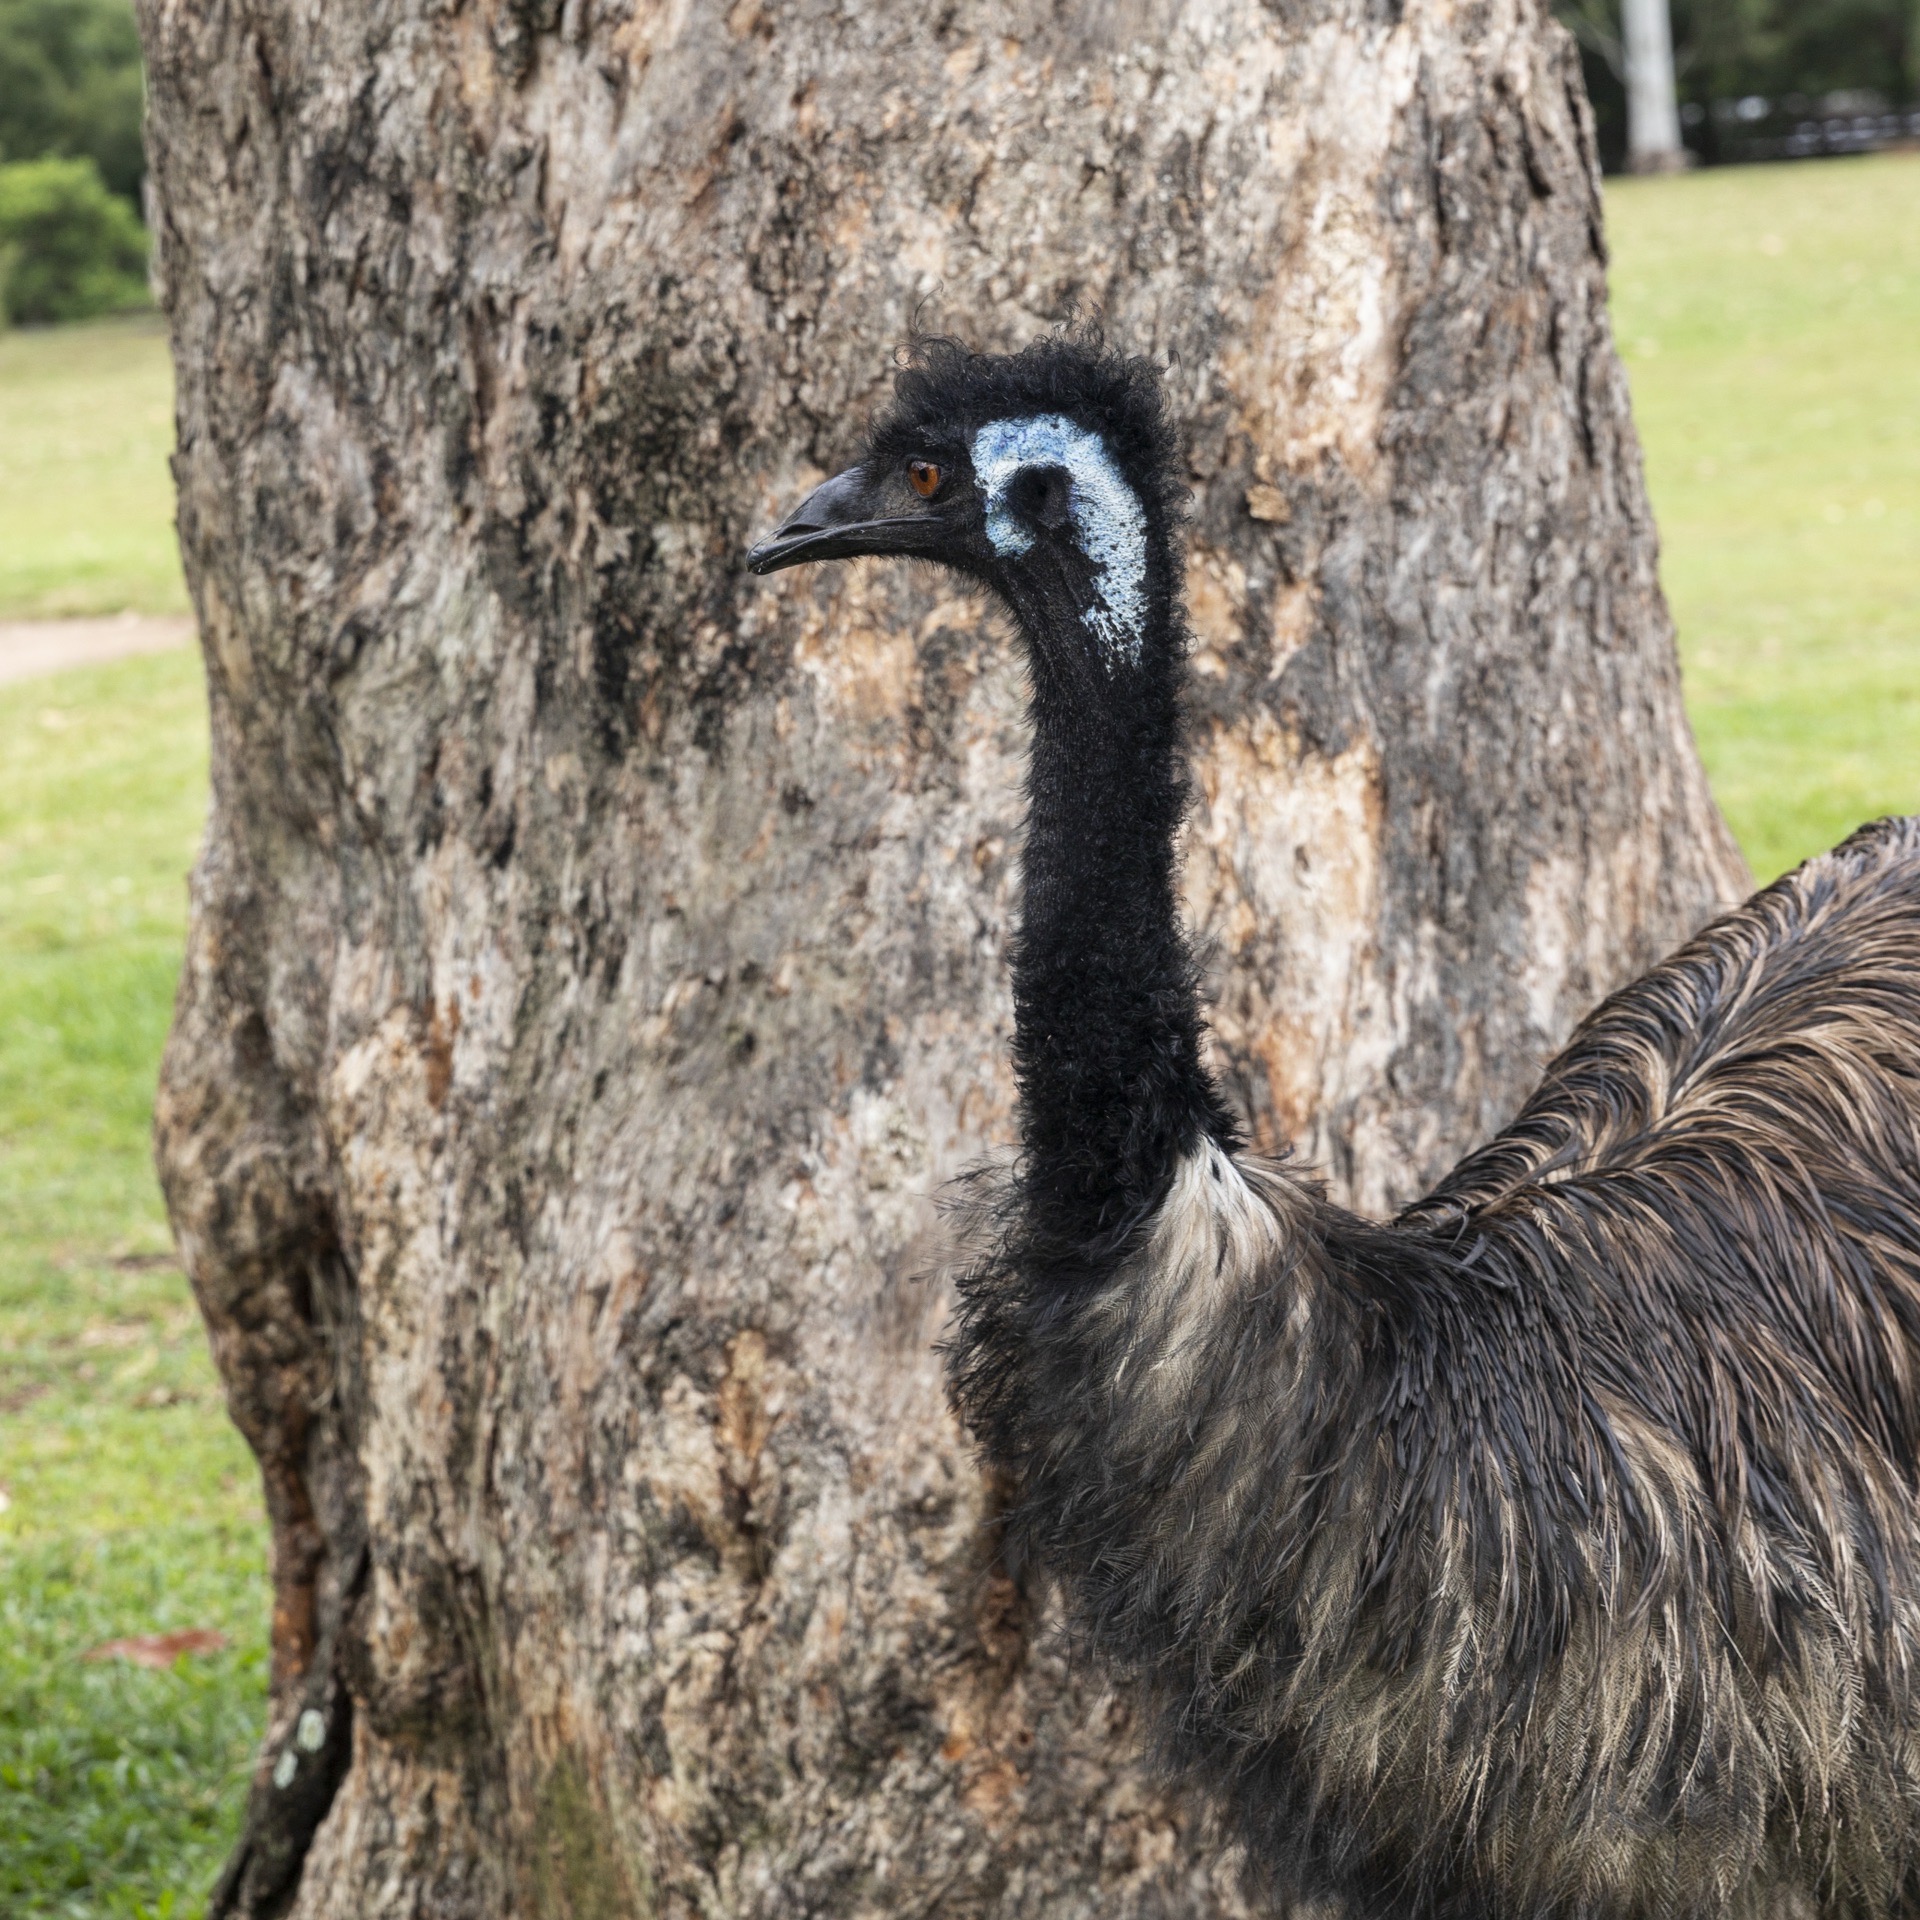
column 924, row 478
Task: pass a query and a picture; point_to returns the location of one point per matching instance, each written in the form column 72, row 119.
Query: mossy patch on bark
column 578, row 1873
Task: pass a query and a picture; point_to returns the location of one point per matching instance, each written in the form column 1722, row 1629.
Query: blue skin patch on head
column 1106, row 515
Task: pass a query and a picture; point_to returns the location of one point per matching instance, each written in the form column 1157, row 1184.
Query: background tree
column 596, row 956
column 1653, row 109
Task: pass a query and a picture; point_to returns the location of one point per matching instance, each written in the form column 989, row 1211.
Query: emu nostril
column 805, row 518
column 831, row 505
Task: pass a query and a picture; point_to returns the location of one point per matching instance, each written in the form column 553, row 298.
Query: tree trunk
column 596, row 963
column 1653, row 113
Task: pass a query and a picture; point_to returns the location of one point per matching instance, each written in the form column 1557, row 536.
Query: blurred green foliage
column 69, row 249
column 70, row 85
column 1725, row 48
column 71, row 100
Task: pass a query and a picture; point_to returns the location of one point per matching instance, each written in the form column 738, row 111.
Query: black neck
column 1107, row 1009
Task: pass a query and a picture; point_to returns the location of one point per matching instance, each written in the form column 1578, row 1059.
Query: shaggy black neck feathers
column 1108, row 1040
column 1108, row 1028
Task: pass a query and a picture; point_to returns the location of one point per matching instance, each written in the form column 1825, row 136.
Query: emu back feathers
column 1555, row 1547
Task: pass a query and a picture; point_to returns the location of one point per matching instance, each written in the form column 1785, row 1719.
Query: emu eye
column 924, row 478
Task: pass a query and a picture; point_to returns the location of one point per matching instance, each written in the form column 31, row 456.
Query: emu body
column 1553, row 1548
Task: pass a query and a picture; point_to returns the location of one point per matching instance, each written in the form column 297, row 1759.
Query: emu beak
column 835, row 522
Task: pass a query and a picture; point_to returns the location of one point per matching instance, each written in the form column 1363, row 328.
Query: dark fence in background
column 1796, row 127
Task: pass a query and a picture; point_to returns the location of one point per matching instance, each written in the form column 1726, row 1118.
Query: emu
column 1553, row 1549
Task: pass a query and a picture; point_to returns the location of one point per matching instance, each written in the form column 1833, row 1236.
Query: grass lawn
column 1769, row 318
column 86, row 502
column 131, row 1503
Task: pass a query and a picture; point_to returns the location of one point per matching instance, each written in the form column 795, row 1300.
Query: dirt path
column 29, row 647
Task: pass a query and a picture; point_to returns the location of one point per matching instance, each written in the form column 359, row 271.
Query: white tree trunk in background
column 1653, row 111
column 597, row 955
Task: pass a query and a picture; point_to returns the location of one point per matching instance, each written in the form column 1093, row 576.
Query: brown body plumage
column 1556, row 1549
column 1553, row 1549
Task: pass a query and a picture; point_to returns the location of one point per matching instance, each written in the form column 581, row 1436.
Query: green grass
column 86, row 502
column 1770, row 320
column 132, row 1504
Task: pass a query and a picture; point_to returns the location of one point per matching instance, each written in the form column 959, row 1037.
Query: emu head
column 1048, row 476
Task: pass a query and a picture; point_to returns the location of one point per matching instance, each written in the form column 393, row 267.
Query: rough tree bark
column 596, row 955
